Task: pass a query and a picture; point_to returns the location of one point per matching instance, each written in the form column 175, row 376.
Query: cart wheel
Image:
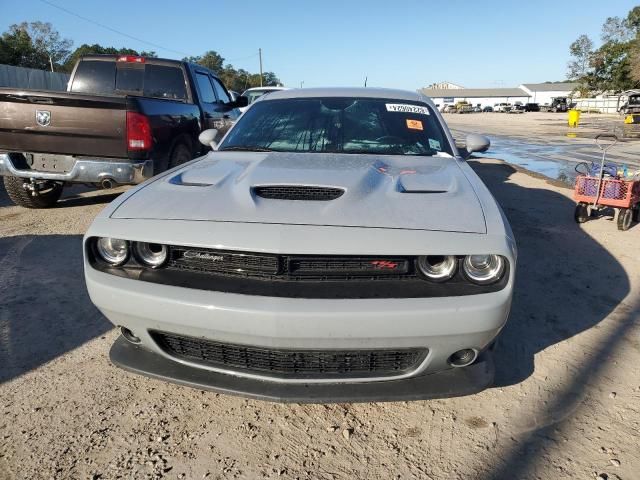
column 581, row 213
column 624, row 219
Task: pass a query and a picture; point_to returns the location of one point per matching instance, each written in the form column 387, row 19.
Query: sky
column 404, row 44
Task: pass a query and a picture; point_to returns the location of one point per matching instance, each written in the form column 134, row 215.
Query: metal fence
column 20, row 77
column 599, row 105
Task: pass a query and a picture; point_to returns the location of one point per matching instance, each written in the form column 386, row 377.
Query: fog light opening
column 128, row 335
column 463, row 358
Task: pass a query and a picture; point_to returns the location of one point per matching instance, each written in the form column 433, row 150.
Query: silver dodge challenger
column 334, row 246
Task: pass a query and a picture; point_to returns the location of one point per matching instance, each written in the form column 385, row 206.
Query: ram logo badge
column 43, row 118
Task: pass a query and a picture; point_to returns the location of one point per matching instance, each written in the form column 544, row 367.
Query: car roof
column 253, row 89
column 387, row 93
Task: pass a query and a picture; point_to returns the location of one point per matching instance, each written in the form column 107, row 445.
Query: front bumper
column 448, row 383
column 86, row 170
column 442, row 325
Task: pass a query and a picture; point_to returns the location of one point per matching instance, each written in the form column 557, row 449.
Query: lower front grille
column 291, row 364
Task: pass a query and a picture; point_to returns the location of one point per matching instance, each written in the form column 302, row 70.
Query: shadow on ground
column 72, row 196
column 45, row 309
column 566, row 283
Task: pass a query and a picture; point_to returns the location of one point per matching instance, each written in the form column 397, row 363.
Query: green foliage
column 33, row 45
column 96, row 49
column 234, row 79
column 615, row 64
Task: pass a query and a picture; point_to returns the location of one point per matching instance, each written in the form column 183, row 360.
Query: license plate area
column 45, row 162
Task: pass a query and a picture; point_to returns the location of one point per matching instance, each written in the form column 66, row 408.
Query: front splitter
column 453, row 382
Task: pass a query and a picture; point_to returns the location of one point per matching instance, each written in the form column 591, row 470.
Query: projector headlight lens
column 114, row 251
column 483, row 269
column 438, row 268
column 151, row 254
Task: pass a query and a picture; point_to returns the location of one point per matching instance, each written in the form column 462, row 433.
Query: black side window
column 205, row 88
column 161, row 81
column 223, row 96
column 93, row 76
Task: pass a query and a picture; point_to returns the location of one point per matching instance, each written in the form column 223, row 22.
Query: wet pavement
column 556, row 158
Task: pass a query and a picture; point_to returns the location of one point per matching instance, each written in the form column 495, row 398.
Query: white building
column 485, row 97
column 544, row 93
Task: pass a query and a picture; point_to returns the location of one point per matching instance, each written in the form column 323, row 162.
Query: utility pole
column 301, row 83
column 260, row 55
column 365, row 81
column 51, row 62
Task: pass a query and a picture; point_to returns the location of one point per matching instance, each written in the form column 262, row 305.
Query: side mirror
column 241, row 102
column 207, row 138
column 477, row 143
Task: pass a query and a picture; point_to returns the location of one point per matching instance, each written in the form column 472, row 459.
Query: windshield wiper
column 247, row 148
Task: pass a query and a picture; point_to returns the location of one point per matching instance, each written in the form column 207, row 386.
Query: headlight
column 483, row 269
column 438, row 268
column 113, row 250
column 151, row 254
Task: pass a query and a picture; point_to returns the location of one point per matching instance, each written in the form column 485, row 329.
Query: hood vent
column 298, row 192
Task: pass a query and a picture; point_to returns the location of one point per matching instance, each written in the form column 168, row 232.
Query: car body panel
column 380, row 191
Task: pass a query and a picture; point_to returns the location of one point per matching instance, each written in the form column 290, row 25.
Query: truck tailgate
column 86, row 125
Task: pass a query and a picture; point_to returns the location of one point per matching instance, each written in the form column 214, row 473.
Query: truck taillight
column 138, row 132
column 131, row 59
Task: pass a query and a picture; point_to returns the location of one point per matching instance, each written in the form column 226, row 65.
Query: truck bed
column 87, row 125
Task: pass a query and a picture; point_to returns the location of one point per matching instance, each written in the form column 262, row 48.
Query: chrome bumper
column 86, row 170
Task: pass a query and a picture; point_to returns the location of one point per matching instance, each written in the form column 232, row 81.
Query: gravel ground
column 565, row 403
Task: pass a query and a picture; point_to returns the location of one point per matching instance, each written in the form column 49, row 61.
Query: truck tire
column 23, row 198
column 180, row 154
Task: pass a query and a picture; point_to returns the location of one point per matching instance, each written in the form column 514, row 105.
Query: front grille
column 286, row 267
column 217, row 261
column 298, row 192
column 288, row 363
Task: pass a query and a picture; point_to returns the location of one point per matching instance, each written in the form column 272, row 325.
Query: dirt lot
column 566, row 403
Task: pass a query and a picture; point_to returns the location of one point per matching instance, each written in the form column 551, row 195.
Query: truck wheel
column 48, row 193
column 624, row 219
column 180, row 155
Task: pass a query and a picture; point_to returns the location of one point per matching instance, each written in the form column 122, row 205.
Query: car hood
column 377, row 191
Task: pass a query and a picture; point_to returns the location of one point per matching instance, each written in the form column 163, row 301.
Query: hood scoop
column 298, row 192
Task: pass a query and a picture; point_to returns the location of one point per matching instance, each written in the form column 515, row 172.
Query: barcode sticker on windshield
column 406, row 108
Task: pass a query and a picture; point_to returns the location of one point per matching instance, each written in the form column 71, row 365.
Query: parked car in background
column 502, row 107
column 253, row 94
column 532, row 107
column 266, row 269
column 477, row 109
column 517, row 108
column 123, row 119
column 487, row 109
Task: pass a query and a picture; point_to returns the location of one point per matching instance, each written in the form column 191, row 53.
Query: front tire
column 46, row 198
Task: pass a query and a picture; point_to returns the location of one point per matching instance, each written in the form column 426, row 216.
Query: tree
column 616, row 29
column 581, row 51
column 211, row 60
column 238, row 80
column 97, row 49
column 34, row 45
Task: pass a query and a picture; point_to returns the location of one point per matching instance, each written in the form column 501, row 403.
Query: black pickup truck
column 122, row 120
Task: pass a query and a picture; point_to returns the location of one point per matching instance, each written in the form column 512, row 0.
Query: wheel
column 625, row 217
column 581, row 213
column 47, row 196
column 179, row 155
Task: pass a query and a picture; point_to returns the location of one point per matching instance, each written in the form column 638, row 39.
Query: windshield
column 339, row 125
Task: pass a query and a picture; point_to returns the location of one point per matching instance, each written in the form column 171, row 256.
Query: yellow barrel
column 574, row 118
